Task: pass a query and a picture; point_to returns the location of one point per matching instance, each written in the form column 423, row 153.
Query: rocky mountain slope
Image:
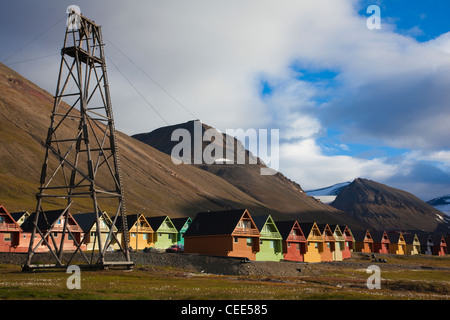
column 384, row 207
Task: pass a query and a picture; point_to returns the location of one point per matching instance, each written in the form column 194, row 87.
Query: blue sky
column 349, row 102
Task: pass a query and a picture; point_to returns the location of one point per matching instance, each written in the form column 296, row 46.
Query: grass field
column 416, row 277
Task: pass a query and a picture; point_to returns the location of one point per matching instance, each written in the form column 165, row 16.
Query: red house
column 440, row 245
column 54, row 221
column 329, row 243
column 349, row 242
column 294, row 241
column 10, row 232
column 381, row 241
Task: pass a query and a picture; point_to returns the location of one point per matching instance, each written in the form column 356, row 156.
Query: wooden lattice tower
column 81, row 166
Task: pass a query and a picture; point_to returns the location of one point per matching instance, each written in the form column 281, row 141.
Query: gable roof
column 261, row 220
column 360, row 235
column 17, row 215
column 45, row 221
column 131, row 221
column 215, row 223
column 87, row 220
column 410, row 238
column 14, row 221
column 156, row 222
column 395, row 237
column 377, row 235
column 180, row 222
column 285, row 227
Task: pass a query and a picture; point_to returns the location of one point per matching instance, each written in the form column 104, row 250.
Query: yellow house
column 141, row 234
column 412, row 244
column 314, row 242
column 398, row 244
column 88, row 223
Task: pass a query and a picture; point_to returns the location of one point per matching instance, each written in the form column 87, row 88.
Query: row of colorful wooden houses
column 233, row 233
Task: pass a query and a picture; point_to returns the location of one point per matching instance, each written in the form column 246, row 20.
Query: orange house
column 329, row 243
column 230, row 233
column 363, row 241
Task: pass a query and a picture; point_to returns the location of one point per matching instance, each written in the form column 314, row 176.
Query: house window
column 133, row 235
column 69, row 237
column 328, row 244
column 7, row 237
column 249, row 242
column 144, row 236
column 236, row 239
column 316, row 245
column 271, row 244
column 2, row 219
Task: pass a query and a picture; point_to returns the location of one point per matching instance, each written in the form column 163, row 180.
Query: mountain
column 328, row 194
column 384, row 207
column 154, row 184
column 276, row 191
column 441, row 203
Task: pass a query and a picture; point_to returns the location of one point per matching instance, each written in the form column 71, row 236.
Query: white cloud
column 305, row 162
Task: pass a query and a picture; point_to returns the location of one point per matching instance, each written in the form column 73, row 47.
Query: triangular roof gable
column 325, row 230
column 336, row 230
column 286, row 227
column 157, row 222
column 379, row 236
column 86, row 221
column 141, row 218
column 215, row 223
column 362, row 235
column 411, row 238
column 346, row 231
column 48, row 219
column 312, row 229
column 261, row 221
column 19, row 215
column 246, row 215
column 7, row 214
column 180, row 223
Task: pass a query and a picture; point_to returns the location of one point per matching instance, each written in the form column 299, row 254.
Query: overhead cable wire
column 33, row 59
column 34, row 39
column 153, row 80
column 136, row 89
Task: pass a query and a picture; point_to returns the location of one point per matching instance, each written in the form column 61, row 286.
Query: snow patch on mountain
column 328, row 194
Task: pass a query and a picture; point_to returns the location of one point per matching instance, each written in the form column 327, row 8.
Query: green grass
column 151, row 283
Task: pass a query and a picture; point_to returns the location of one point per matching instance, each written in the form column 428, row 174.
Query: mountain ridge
column 384, row 207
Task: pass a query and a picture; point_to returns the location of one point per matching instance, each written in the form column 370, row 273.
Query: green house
column 165, row 231
column 270, row 242
column 181, row 224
